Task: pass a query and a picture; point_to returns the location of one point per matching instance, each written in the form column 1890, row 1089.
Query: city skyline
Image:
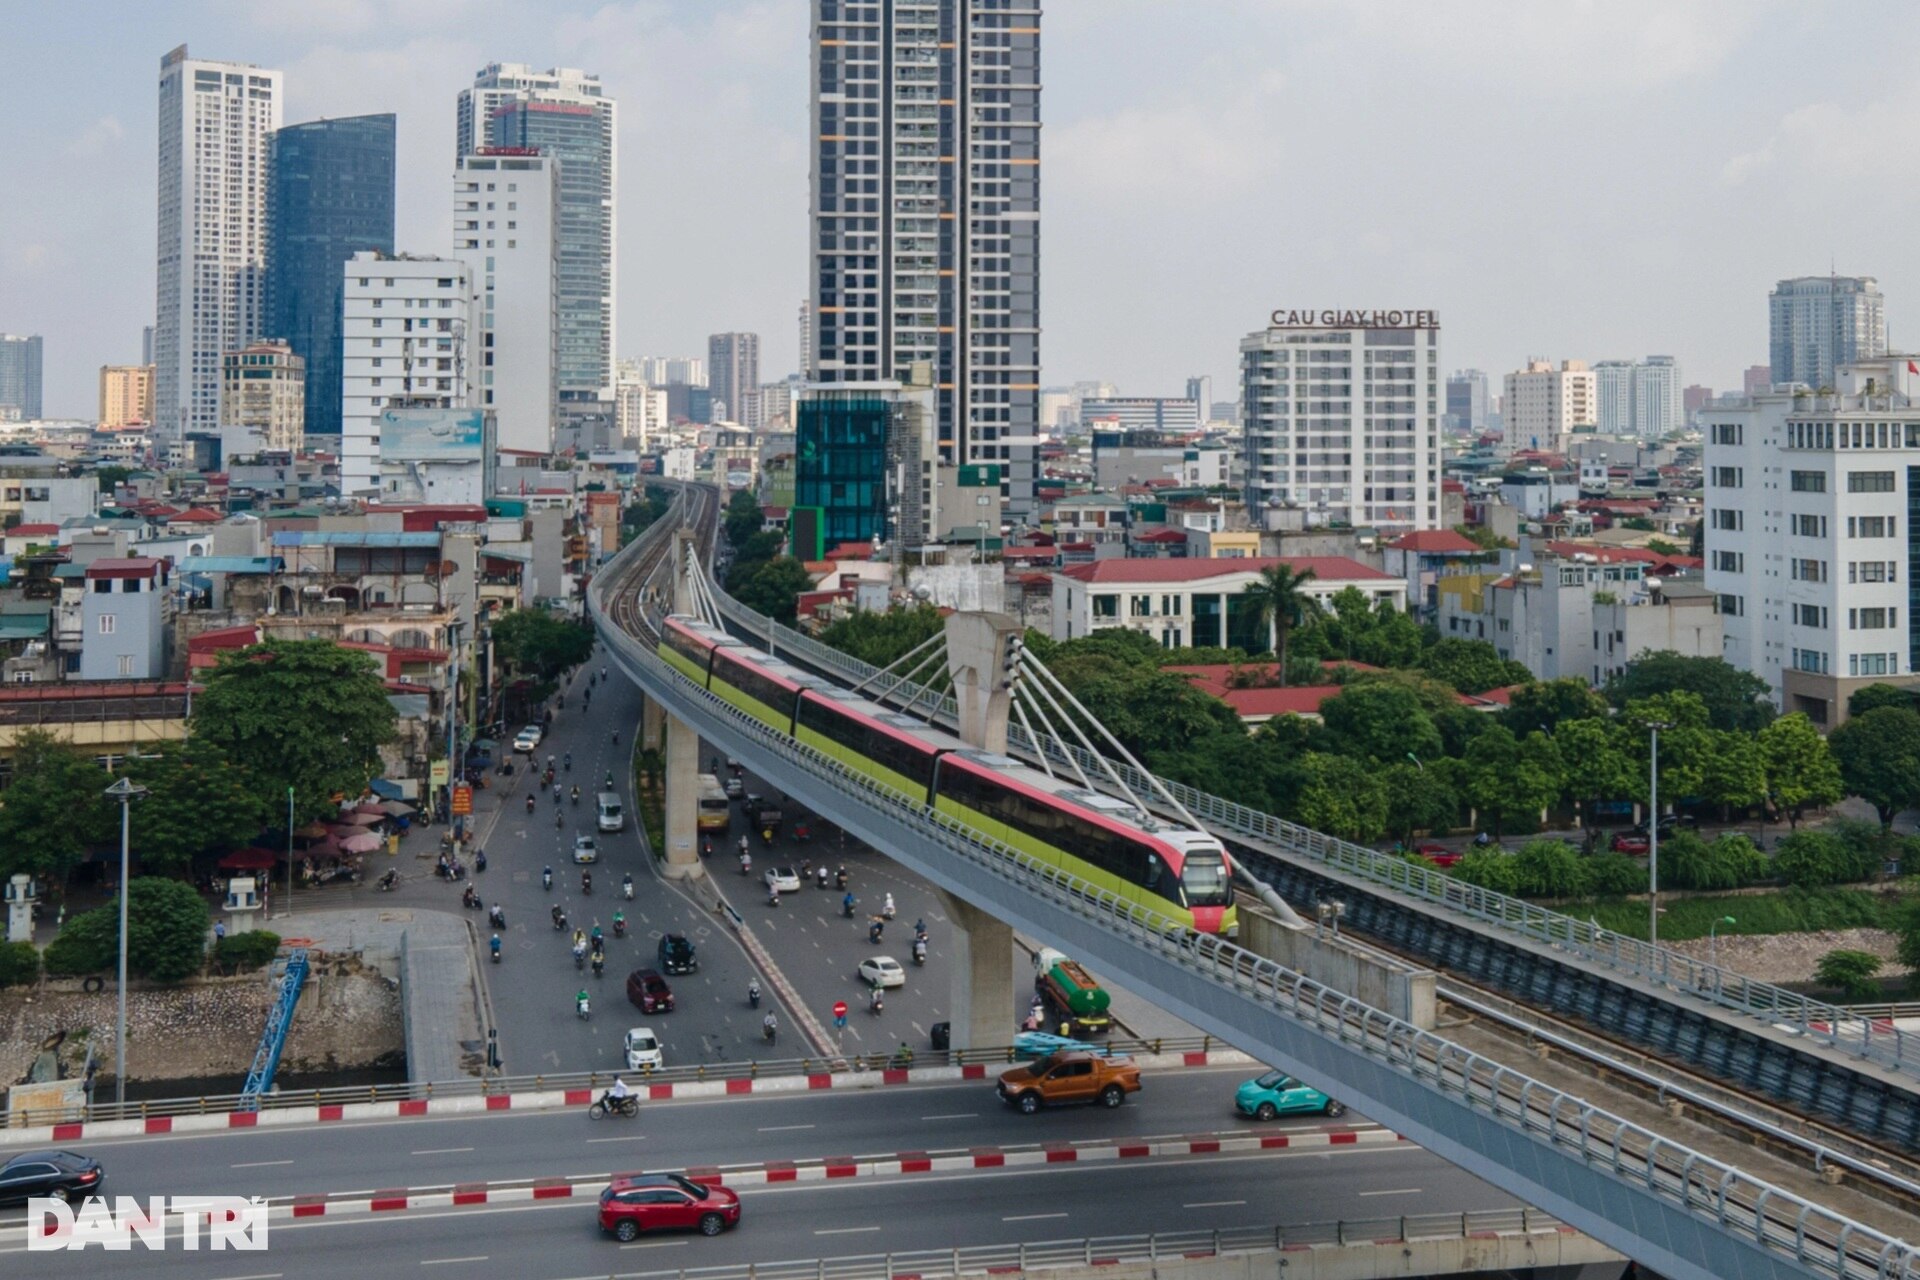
column 1213, row 231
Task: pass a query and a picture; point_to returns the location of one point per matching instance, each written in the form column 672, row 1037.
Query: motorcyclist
column 546, row 879
column 744, row 846
column 596, row 937
column 497, row 918
column 580, row 1002
column 529, row 802
column 874, row 1000
column 576, row 794
column 619, row 924
column 568, row 763
column 557, row 795
column 920, row 928
column 887, row 910
column 580, row 939
column 753, row 993
column 626, row 885
column 559, row 917
column 599, row 964
column 496, row 946
column 616, row 1095
column 920, row 950
column 586, row 882
column 768, row 1026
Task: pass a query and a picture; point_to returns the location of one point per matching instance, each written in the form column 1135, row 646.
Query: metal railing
column 995, row 1259
column 1771, row 1217
column 498, row 1086
column 1865, row 1031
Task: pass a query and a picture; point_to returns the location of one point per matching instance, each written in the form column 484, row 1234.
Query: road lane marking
column 655, row 1244
column 1397, row 1191
column 1032, row 1217
column 957, row 1115
column 264, row 1275
column 844, row 1231
column 441, row 1262
column 786, row 1128
column 637, row 1137
column 441, row 1151
column 1212, row 1204
column 258, row 1164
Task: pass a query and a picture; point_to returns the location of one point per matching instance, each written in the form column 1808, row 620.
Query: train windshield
column 1204, row 879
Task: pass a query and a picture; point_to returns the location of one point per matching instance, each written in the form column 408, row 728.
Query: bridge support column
column 682, row 860
column 982, row 999
column 653, row 725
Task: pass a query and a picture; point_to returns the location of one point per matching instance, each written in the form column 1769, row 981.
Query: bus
column 714, row 812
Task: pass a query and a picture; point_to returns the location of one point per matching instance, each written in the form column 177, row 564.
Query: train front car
column 1206, row 882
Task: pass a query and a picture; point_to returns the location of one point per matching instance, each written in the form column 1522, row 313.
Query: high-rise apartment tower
column 925, row 210
column 1818, row 323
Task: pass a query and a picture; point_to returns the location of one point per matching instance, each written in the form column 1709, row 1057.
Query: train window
column 689, row 646
column 755, row 685
column 1205, row 879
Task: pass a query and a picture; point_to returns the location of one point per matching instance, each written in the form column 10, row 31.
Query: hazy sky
column 1555, row 177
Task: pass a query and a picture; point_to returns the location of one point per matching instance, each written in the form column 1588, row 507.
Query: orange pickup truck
column 1070, row 1077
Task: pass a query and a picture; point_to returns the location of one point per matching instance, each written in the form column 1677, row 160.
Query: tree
column 55, row 810
column 1353, row 625
column 1735, row 699
column 1594, row 766
column 743, row 517
column 1874, row 696
column 1480, row 535
column 111, row 477
column 1815, row 859
column 301, row 714
column 1502, row 777
column 773, row 588
column 1471, row 666
column 1342, row 797
column 1799, row 766
column 1420, row 799
column 1550, row 869
column 1279, row 601
column 1150, row 710
column 1543, row 705
column 196, row 800
column 1733, row 773
column 536, row 643
column 1382, row 723
column 167, row 922
column 1879, row 758
column 1685, row 745
column 882, row 636
column 1850, row 972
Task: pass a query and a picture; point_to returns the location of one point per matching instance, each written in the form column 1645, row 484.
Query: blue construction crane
column 266, row 1059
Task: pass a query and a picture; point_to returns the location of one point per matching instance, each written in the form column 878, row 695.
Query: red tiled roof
column 1200, row 568
column 130, row 567
column 33, row 530
column 1433, row 542
column 1163, row 536
column 1300, row 700
column 1502, row 697
column 1213, row 676
column 224, row 638
column 196, row 515
column 851, row 551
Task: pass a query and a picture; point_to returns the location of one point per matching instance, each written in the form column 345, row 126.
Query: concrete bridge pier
column 682, row 854
column 982, row 958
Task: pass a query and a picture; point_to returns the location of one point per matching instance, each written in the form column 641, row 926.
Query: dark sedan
column 64, row 1175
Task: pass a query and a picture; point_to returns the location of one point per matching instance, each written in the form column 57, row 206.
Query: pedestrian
column 219, row 932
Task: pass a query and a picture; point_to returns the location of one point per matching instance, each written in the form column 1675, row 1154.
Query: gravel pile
column 1791, row 957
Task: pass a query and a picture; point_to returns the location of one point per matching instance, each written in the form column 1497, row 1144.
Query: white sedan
column 585, row 849
column 882, row 971
column 783, row 880
column 528, row 738
column 643, row 1050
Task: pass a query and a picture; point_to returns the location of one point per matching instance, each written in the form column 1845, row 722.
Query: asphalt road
column 718, row 1131
column 532, row 990
column 862, row 1216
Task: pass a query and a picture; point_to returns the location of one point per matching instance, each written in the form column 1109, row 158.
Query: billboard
column 433, row 435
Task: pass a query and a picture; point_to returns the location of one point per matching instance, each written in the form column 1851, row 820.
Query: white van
column 611, row 816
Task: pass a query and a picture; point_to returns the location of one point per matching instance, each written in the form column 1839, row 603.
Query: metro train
column 1165, row 869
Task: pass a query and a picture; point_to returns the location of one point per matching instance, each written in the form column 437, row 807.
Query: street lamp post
column 1653, row 833
column 1713, row 942
column 126, row 791
column 289, row 850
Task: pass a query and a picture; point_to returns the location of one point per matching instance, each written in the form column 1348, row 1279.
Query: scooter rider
column 546, row 879
column 626, row 886
column 496, row 917
column 617, row 1093
column 753, row 993
column 846, row 906
column 559, row 917
column 496, row 948
column 580, row 1003
column 875, row 1002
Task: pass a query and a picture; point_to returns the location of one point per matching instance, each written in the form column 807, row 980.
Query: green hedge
column 19, row 964
column 88, row 943
column 243, row 952
column 1800, row 911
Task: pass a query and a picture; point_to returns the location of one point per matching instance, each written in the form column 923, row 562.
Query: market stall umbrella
column 312, row 831
column 361, row 818
column 365, row 842
column 327, row 848
column 370, row 809
column 398, row 808
column 250, row 859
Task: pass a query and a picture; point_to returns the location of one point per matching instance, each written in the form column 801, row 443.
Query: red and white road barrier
column 831, row 1168
column 545, row 1100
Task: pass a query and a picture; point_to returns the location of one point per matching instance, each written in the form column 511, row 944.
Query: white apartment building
column 265, row 389
column 1584, row 616
column 1342, row 424
column 407, row 334
column 216, row 124
column 1639, row 397
column 506, row 223
column 639, row 410
column 1810, row 538
column 1544, row 406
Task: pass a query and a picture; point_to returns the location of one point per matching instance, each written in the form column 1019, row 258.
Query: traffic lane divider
column 828, row 1169
column 542, row 1100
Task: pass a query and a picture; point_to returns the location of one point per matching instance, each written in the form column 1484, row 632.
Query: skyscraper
column 330, row 195
column 20, row 377
column 1467, row 401
column 566, row 114
column 216, row 122
column 806, row 338
column 1817, row 323
column 925, row 208
column 506, row 228
column 1613, row 397
column 733, row 372
column 1658, row 397
column 126, row 395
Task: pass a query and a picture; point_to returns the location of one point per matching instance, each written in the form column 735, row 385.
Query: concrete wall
column 1361, row 972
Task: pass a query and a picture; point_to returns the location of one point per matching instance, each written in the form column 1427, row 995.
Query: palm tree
column 1278, row 599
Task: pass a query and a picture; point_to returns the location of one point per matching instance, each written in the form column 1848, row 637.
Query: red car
column 649, row 991
column 1438, row 854
column 636, row 1202
column 1633, row 842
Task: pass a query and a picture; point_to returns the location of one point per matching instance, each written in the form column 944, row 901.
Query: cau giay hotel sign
column 1354, row 320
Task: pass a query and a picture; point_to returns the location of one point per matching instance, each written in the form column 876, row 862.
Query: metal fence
column 1866, row 1032
column 1771, row 1217
column 1039, row 1255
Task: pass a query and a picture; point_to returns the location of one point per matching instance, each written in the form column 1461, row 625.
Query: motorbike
column 559, row 820
column 920, row 952
column 753, row 996
column 576, row 797
column 586, row 883
column 529, row 804
column 840, row 879
column 626, row 887
column 586, row 1010
column 887, row 910
column 767, row 1029
column 874, row 931
column 579, row 957
column 496, row 951
column 820, row 877
column 847, row 905
column 746, row 865
column 497, row 918
column 470, row 899
column 546, row 879
column 773, row 896
column 559, row 920
column 612, row 1106
column 599, row 965
column 876, row 1003
column 388, row 881
column 480, row 860
column 619, row 925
